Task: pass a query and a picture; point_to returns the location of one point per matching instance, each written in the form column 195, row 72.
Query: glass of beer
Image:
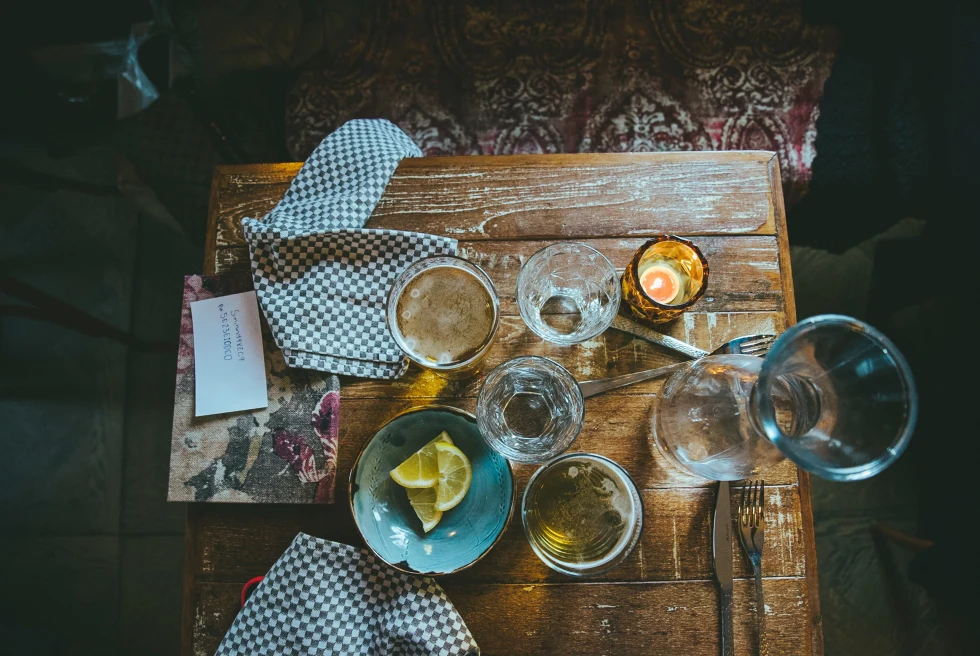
column 443, row 312
column 582, row 514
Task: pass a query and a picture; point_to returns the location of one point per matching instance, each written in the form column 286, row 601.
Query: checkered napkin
column 321, row 279
column 327, row 598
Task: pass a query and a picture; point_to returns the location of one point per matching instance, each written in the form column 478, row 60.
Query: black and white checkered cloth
column 326, row 598
column 321, row 279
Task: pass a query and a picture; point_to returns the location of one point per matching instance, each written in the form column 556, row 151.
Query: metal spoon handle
column 593, row 387
column 638, row 330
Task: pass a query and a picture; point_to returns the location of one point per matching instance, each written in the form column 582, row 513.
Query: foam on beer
column 444, row 315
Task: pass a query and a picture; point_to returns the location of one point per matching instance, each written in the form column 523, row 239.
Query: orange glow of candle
column 660, row 283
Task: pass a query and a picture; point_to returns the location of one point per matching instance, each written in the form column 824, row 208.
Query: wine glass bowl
column 837, row 398
column 833, row 395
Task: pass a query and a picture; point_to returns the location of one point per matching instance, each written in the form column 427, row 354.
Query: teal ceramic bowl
column 386, row 520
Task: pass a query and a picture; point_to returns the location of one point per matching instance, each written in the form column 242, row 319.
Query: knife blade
column 721, row 548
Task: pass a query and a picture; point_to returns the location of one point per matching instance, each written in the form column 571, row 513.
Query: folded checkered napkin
column 327, row 598
column 321, row 280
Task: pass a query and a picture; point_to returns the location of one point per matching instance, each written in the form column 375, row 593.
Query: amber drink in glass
column 443, row 312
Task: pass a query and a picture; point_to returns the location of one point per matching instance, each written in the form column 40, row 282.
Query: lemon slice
column 455, row 476
column 423, row 501
column 421, row 469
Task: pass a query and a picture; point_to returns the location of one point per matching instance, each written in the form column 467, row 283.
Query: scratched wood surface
column 503, row 209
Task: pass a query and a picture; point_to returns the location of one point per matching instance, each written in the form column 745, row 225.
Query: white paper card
column 229, row 364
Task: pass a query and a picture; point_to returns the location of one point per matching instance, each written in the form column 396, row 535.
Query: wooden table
column 663, row 599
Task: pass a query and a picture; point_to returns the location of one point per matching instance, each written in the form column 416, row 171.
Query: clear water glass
column 568, row 293
column 530, row 409
column 833, row 395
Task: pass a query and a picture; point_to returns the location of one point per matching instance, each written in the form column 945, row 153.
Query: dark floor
column 87, row 535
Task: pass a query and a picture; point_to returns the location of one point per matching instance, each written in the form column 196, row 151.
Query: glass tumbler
column 568, row 293
column 443, row 312
column 530, row 409
column 582, row 514
column 833, row 395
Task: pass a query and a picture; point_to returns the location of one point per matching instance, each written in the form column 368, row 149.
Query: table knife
column 721, row 547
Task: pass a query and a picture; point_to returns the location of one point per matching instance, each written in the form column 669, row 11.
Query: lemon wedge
column 421, row 469
column 423, row 501
column 455, row 476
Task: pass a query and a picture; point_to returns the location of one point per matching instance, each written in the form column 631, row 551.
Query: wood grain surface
column 744, row 275
column 503, row 209
column 595, row 618
column 675, row 543
column 544, row 196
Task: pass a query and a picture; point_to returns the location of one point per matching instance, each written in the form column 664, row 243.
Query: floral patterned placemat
column 285, row 453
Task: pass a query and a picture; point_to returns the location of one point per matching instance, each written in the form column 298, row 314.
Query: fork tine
column 747, row 491
column 753, row 495
column 756, row 346
column 758, row 339
column 741, row 508
column 762, row 501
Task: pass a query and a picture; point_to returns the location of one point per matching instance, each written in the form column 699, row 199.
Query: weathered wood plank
column 744, row 270
column 215, row 606
column 621, row 618
column 609, row 354
column 616, row 427
column 586, row 618
column 815, row 625
column 227, row 260
column 546, row 196
column 502, row 209
column 675, row 545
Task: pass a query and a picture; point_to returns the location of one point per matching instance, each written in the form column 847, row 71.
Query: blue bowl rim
column 357, row 462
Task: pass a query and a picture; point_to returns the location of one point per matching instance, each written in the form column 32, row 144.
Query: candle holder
column 666, row 276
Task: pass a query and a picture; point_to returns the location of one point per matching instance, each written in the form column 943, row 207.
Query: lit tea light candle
column 665, row 277
column 661, row 283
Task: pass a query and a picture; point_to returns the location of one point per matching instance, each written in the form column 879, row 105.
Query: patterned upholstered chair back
column 467, row 77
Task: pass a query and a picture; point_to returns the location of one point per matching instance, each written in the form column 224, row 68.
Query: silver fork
column 748, row 345
column 751, row 531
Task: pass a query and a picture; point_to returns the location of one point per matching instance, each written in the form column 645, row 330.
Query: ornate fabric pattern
column 285, row 453
column 495, row 77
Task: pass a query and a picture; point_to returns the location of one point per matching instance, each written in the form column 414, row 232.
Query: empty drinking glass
column 568, row 293
column 833, row 395
column 530, row 409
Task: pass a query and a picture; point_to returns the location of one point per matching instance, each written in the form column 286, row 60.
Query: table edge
column 815, row 625
column 543, row 160
column 190, row 546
